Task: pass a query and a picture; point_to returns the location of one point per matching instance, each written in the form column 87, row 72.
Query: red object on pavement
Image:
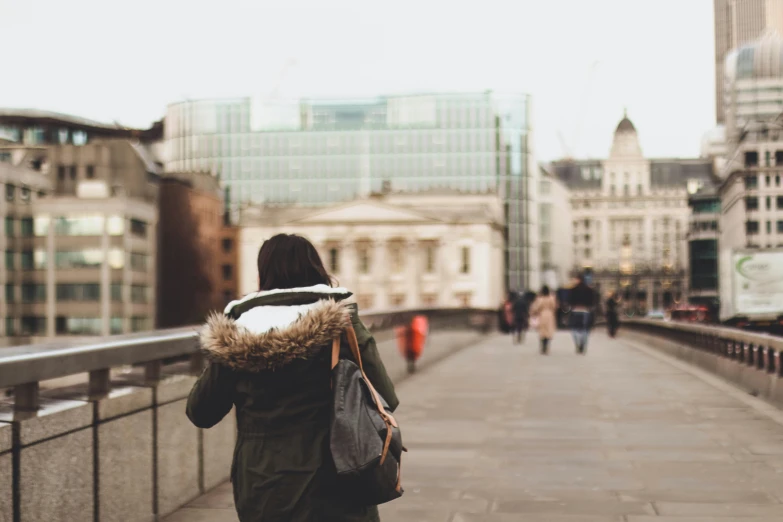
column 411, row 339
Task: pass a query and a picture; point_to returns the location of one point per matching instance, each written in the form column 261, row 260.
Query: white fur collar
column 262, row 319
column 317, row 289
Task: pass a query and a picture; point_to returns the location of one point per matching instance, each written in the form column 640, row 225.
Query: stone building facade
column 395, row 251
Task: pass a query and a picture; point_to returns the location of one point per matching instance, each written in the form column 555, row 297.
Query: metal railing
column 25, row 367
column 761, row 351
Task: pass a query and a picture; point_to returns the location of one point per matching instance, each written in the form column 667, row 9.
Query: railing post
column 26, row 397
column 152, row 371
column 100, row 383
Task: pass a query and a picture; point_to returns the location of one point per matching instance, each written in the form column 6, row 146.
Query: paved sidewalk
column 498, row 433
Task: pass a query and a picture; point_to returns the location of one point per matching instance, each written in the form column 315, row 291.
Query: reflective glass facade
column 320, row 152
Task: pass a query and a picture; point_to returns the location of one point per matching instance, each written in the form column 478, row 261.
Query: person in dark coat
column 270, row 359
column 612, row 316
column 582, row 299
column 521, row 319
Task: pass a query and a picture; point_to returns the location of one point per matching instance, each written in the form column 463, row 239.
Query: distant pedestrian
column 612, row 316
column 521, row 319
column 508, row 313
column 582, row 300
column 544, row 308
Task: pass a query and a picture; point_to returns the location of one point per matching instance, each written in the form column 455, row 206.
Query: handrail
column 26, row 366
column 723, row 332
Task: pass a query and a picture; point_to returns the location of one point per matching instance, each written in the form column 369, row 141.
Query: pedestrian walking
column 269, row 358
column 544, row 308
column 521, row 318
column 508, row 313
column 582, row 299
column 612, row 315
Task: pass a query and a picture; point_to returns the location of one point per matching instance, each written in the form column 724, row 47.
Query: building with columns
column 630, row 220
column 414, row 250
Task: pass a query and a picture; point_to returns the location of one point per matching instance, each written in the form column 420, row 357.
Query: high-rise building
column 324, row 151
column 738, row 22
column 87, row 249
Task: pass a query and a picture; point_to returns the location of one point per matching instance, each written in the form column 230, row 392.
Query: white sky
column 125, row 61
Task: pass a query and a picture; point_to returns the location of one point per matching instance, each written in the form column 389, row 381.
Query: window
column 751, row 182
column 139, row 324
column 752, row 227
column 40, row 226
column 90, row 171
column 116, row 325
column 39, row 259
column 334, row 260
column 139, row 293
column 78, row 325
column 588, row 253
column 429, row 258
column 769, row 202
column 612, row 190
column 32, row 325
column 33, row 293
column 10, row 326
column 639, row 189
column 10, row 294
column 365, row 301
column 115, row 225
column 465, row 261
column 779, row 202
column 396, row 257
column 26, row 257
column 768, row 179
column 116, row 292
column 751, row 203
column 587, row 238
column 751, row 159
column 139, row 228
column 87, row 258
column 78, row 292
column 227, row 243
column 91, row 225
column 116, row 258
column 26, row 225
column 79, row 137
column 780, row 227
column 9, row 226
column 61, row 172
column 769, row 227
column 767, row 162
column 228, row 272
column 587, row 223
column 464, row 298
column 10, row 192
column 777, row 180
column 138, row 262
column 398, row 300
column 363, row 253
column 72, row 171
column 9, row 259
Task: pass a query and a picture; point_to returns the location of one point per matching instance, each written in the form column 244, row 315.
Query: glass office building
column 323, row 151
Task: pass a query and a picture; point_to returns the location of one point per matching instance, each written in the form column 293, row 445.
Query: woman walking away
column 544, row 308
column 582, row 300
column 270, row 359
column 612, row 317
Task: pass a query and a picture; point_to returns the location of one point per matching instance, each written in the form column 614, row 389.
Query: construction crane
column 585, row 102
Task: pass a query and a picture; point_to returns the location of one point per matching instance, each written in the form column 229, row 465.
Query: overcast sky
column 582, row 60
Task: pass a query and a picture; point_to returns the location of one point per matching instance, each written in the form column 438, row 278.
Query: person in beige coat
column 544, row 308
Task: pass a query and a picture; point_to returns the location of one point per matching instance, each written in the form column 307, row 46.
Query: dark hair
column 544, row 290
column 290, row 261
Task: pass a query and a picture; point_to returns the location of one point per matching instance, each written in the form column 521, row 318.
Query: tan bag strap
column 353, row 343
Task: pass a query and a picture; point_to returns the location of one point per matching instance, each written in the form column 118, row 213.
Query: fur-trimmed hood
column 268, row 330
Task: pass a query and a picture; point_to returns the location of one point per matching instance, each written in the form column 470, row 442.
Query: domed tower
column 626, row 171
column 754, row 84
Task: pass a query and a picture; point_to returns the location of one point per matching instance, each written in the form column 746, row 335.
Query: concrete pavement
column 498, row 433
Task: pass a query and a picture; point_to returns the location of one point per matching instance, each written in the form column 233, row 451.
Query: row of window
column 86, row 258
column 752, row 203
column 36, row 325
column 35, row 135
column 635, row 203
column 70, row 292
column 753, row 227
column 25, row 194
column 752, row 158
column 396, row 258
column 752, row 182
column 69, row 171
column 366, row 301
column 85, row 225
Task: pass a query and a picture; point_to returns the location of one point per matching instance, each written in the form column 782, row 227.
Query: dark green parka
column 269, row 356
